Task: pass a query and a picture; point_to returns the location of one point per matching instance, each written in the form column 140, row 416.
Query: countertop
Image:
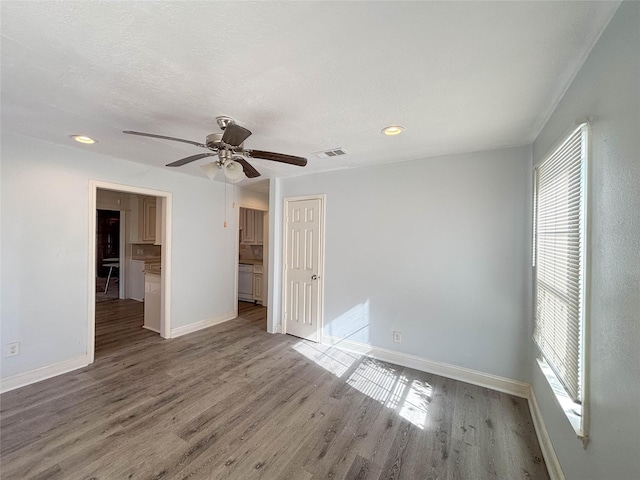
column 250, row 262
column 146, row 258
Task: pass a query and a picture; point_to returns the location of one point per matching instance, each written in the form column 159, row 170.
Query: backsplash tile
column 250, row 252
column 145, row 250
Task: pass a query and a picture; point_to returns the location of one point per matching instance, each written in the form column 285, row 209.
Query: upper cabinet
column 259, row 219
column 148, row 219
column 251, row 225
column 144, row 219
column 247, row 226
column 110, row 200
column 159, row 221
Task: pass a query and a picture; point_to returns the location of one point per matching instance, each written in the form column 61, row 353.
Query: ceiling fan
column 228, row 147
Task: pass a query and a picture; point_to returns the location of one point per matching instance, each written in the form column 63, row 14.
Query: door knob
column 314, row 277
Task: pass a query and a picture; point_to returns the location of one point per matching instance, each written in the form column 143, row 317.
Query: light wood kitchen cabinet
column 136, row 280
column 159, row 221
column 247, row 226
column 149, row 219
column 259, row 226
column 152, row 294
column 257, row 287
column 108, row 200
column 251, row 227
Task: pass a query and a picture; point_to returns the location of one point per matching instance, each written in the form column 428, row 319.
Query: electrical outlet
column 13, row 349
column 397, row 337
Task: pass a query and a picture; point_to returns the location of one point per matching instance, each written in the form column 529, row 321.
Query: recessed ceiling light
column 83, row 139
column 392, row 130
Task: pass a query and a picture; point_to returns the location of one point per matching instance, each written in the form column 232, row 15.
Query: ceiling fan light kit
column 229, row 148
column 233, row 170
column 210, row 169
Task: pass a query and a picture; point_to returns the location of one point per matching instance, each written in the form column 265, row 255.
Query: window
column 559, row 268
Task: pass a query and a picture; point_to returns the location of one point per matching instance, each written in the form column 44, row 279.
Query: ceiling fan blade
column 192, row 158
column 153, row 135
column 234, row 135
column 249, row 171
column 277, row 157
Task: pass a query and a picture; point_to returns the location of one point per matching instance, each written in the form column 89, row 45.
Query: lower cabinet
column 152, row 302
column 136, row 280
column 257, row 287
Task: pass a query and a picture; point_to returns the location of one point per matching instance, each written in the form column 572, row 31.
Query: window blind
column 558, row 258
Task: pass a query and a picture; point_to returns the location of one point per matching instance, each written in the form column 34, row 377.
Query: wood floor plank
column 363, row 469
column 234, row 402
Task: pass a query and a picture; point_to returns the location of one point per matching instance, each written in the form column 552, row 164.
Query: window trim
column 580, row 424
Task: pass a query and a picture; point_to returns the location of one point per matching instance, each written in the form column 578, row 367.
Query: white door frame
column 285, row 238
column 165, row 276
column 122, row 274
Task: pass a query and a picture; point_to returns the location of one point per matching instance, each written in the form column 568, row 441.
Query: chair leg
column 108, row 278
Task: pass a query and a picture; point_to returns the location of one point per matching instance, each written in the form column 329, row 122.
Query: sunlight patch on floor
column 393, row 389
column 382, row 382
column 331, row 359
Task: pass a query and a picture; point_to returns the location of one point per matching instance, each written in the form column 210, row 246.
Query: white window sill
column 572, row 410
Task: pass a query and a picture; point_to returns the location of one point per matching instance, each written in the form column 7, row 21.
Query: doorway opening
column 130, row 261
column 253, row 261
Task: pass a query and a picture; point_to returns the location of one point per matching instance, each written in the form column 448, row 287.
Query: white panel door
column 303, row 264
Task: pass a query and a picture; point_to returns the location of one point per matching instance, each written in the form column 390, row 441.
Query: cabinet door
column 149, row 219
column 257, row 287
column 248, row 228
column 152, row 293
column 136, row 276
column 259, row 227
column 159, row 222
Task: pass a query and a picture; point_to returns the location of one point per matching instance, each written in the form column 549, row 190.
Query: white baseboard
column 549, row 454
column 152, row 329
column 493, row 382
column 209, row 322
column 42, row 373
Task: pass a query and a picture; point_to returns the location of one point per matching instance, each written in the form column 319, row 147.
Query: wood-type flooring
column 234, row 402
column 119, row 326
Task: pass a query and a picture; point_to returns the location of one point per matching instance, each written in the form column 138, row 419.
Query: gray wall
column 608, row 88
column 436, row 249
column 45, row 237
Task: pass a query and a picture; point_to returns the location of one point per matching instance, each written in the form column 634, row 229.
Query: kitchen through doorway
column 131, row 253
column 128, row 267
column 253, row 235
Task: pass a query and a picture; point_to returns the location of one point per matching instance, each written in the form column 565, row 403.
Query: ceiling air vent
column 334, row 152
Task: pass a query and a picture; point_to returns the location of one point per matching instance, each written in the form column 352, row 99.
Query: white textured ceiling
column 303, row 76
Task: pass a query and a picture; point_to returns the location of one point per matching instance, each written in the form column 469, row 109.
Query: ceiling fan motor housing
column 213, row 141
